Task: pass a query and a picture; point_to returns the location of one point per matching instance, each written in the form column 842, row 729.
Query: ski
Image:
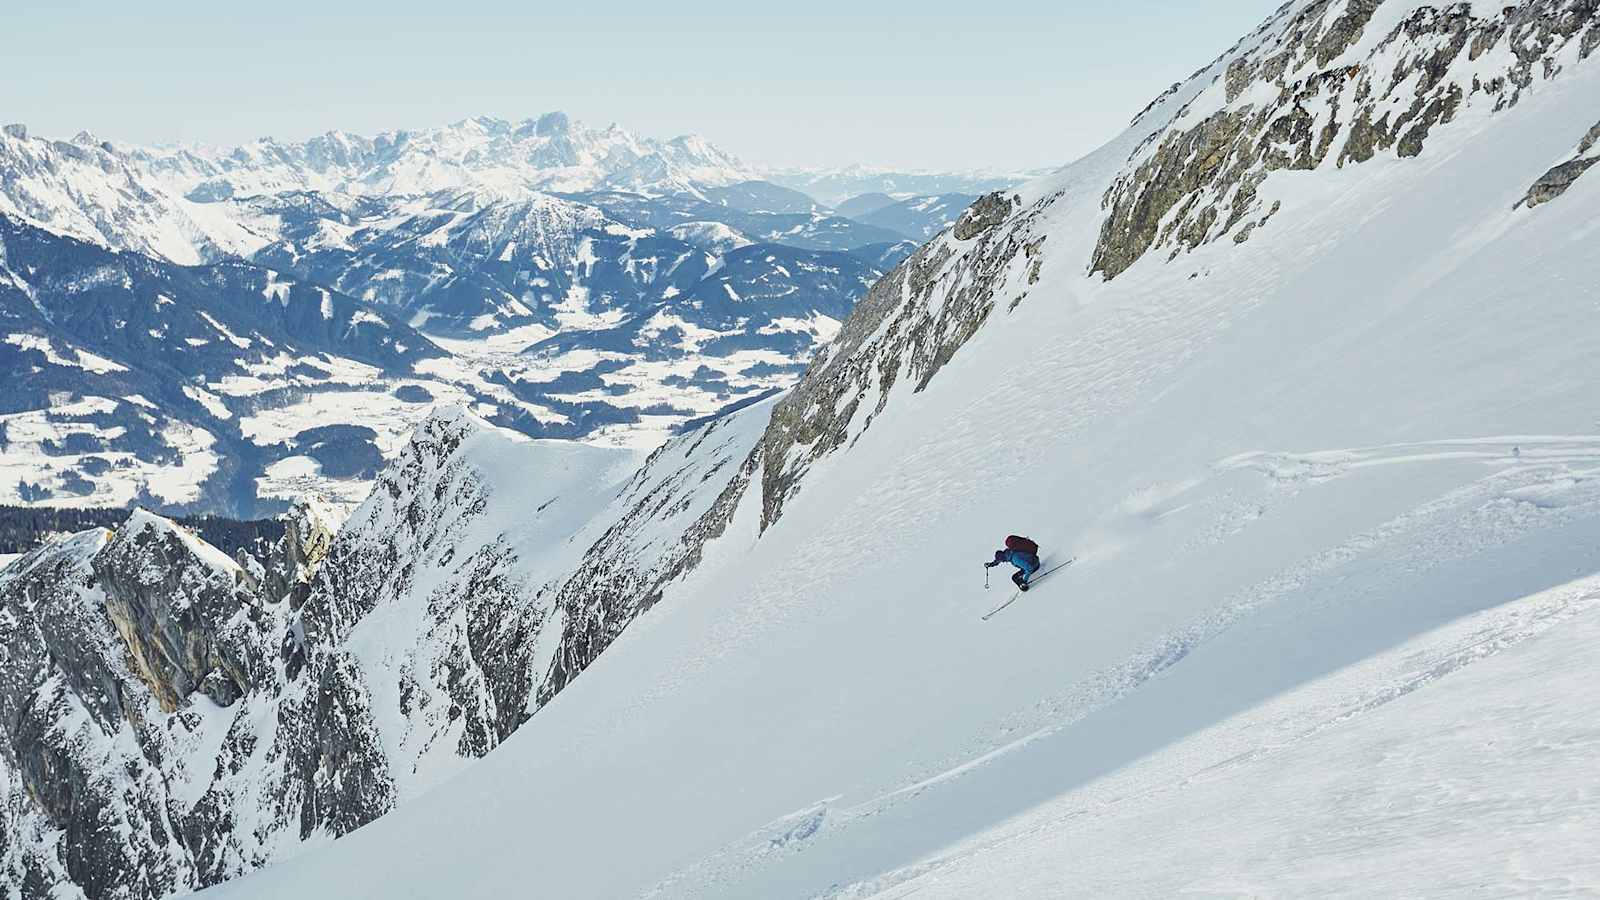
column 1016, row 595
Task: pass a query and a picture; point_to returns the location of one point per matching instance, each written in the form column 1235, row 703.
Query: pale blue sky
column 821, row 82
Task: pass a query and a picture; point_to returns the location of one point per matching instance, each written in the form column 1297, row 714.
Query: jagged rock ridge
column 176, row 718
column 1360, row 78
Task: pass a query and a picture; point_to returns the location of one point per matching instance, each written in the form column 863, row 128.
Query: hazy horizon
column 1014, row 86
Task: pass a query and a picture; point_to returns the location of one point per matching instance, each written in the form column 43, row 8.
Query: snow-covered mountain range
column 1299, row 369
column 569, row 282
column 550, row 153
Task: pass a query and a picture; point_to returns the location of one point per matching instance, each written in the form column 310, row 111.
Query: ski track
column 1233, row 748
column 1451, row 528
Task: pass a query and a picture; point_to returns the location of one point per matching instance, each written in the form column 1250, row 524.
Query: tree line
column 22, row 528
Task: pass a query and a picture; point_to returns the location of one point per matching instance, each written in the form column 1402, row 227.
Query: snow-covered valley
column 1300, row 370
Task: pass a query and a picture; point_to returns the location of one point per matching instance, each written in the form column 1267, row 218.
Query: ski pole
column 986, row 578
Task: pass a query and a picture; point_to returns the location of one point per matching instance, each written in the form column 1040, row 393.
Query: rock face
column 184, row 610
column 989, row 210
column 684, row 497
column 106, row 694
column 307, row 538
column 173, row 718
column 1316, row 86
column 1555, row 182
column 907, row 327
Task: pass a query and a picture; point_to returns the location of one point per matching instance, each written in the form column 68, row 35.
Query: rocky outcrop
column 184, row 610
column 686, row 492
column 463, row 664
column 1311, row 97
column 307, row 538
column 118, row 654
column 80, row 745
column 908, row 326
column 989, row 210
column 170, row 717
column 197, row 717
column 1555, row 182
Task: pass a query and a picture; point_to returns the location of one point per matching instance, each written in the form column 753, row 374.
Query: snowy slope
column 1331, row 487
column 1455, row 763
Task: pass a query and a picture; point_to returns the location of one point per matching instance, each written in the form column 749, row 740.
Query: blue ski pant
column 1026, row 563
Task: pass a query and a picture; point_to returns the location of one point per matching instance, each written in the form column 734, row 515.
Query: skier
column 1022, row 553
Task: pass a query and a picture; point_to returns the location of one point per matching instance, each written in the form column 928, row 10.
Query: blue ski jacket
column 1027, row 562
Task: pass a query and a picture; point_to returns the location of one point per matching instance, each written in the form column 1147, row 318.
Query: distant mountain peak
column 558, row 122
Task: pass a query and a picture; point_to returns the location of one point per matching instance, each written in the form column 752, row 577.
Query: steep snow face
column 1329, row 489
column 551, row 152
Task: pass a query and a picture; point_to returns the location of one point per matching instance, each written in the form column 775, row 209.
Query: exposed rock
column 1555, row 182
column 1346, row 29
column 1201, row 179
column 184, row 611
column 432, row 626
column 989, row 210
column 1591, row 139
column 307, row 538
column 1239, row 74
column 83, row 803
column 623, row 573
column 897, row 331
column 468, row 672
column 326, row 756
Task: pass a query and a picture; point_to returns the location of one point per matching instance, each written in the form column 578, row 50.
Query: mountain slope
column 1362, row 436
column 174, row 717
column 837, row 186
